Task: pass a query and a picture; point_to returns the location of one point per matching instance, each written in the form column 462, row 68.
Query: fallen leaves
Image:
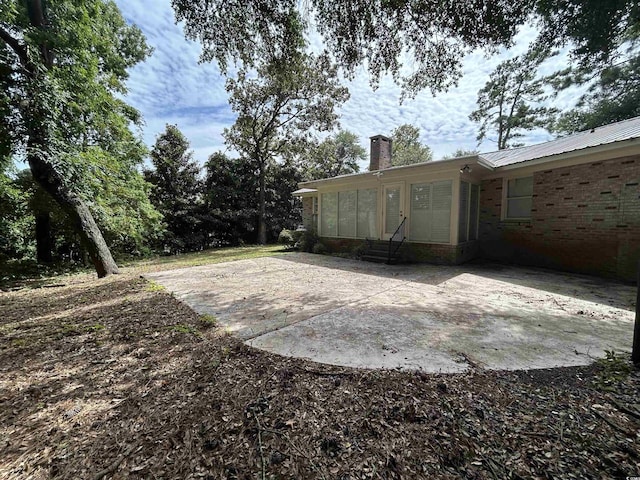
column 136, row 398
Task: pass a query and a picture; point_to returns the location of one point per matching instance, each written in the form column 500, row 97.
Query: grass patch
column 154, row 287
column 210, row 320
column 182, row 328
column 206, row 257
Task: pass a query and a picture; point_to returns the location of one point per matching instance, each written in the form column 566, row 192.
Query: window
column 351, row 214
column 519, row 198
column 368, row 213
column 347, row 213
column 329, row 215
column 469, row 210
column 430, row 212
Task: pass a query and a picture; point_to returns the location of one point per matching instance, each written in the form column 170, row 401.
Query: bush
column 307, row 240
column 287, row 238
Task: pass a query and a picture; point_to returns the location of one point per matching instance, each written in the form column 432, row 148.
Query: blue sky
column 173, row 87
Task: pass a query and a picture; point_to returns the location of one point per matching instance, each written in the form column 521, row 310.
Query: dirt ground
column 117, row 379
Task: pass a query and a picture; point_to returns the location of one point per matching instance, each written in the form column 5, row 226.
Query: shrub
column 287, row 238
column 307, row 240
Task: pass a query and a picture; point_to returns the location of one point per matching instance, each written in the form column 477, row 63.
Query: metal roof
column 614, row 132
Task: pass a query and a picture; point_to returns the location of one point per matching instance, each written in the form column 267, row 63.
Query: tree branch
column 19, row 49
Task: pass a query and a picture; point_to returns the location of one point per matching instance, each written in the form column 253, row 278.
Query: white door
column 392, row 209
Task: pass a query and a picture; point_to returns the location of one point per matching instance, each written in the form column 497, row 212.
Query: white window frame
column 505, row 199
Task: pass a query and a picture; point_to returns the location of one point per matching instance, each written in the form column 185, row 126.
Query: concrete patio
column 433, row 318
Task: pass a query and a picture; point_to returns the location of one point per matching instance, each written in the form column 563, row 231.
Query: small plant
column 95, row 328
column 613, row 369
column 209, row 319
column 154, row 287
column 182, row 328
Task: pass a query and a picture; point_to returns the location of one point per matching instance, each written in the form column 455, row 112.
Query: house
column 571, row 204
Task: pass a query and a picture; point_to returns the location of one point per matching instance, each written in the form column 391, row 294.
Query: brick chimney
column 380, row 156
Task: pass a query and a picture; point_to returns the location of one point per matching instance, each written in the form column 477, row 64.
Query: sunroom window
column 519, row 198
column 350, row 214
column 430, row 219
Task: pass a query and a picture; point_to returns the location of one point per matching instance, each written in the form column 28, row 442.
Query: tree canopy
column 430, row 37
column 511, row 102
column 407, row 148
column 337, row 154
column 279, row 109
column 62, row 65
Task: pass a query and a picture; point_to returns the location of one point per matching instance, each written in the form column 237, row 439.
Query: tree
column 335, row 155
column 506, row 102
column 177, row 190
column 461, row 152
column 60, row 116
column 406, row 146
column 278, row 110
column 433, row 37
column 614, row 95
column 231, row 195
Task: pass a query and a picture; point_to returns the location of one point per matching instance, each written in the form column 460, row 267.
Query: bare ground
column 116, row 379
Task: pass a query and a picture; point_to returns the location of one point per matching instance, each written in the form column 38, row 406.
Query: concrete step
column 375, row 258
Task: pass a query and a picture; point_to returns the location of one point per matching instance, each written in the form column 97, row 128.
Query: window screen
column 367, row 213
column 347, row 213
column 430, row 212
column 519, row 200
column 329, row 214
column 441, row 212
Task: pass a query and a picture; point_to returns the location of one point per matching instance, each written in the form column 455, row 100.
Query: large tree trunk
column 262, row 227
column 43, row 237
column 90, row 236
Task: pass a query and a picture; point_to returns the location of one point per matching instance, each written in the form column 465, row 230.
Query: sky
column 173, row 87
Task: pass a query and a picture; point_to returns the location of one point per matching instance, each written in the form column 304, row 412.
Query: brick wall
column 585, row 218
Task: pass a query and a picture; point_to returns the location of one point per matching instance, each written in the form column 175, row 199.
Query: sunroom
column 433, row 206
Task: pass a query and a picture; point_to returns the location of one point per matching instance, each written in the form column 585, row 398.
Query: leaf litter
column 113, row 379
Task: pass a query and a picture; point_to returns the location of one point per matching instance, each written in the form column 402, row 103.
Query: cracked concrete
column 433, row 318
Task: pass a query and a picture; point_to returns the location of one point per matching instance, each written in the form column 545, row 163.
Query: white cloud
column 173, row 87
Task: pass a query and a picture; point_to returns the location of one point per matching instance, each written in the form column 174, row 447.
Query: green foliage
column 277, row 113
column 208, row 319
column 308, row 241
column 510, row 102
column 287, row 238
column 432, row 36
column 70, row 60
column 336, row 155
column 16, row 221
column 406, row 146
column 612, row 97
column 177, row 192
column 231, row 198
column 461, row 152
column 612, row 370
